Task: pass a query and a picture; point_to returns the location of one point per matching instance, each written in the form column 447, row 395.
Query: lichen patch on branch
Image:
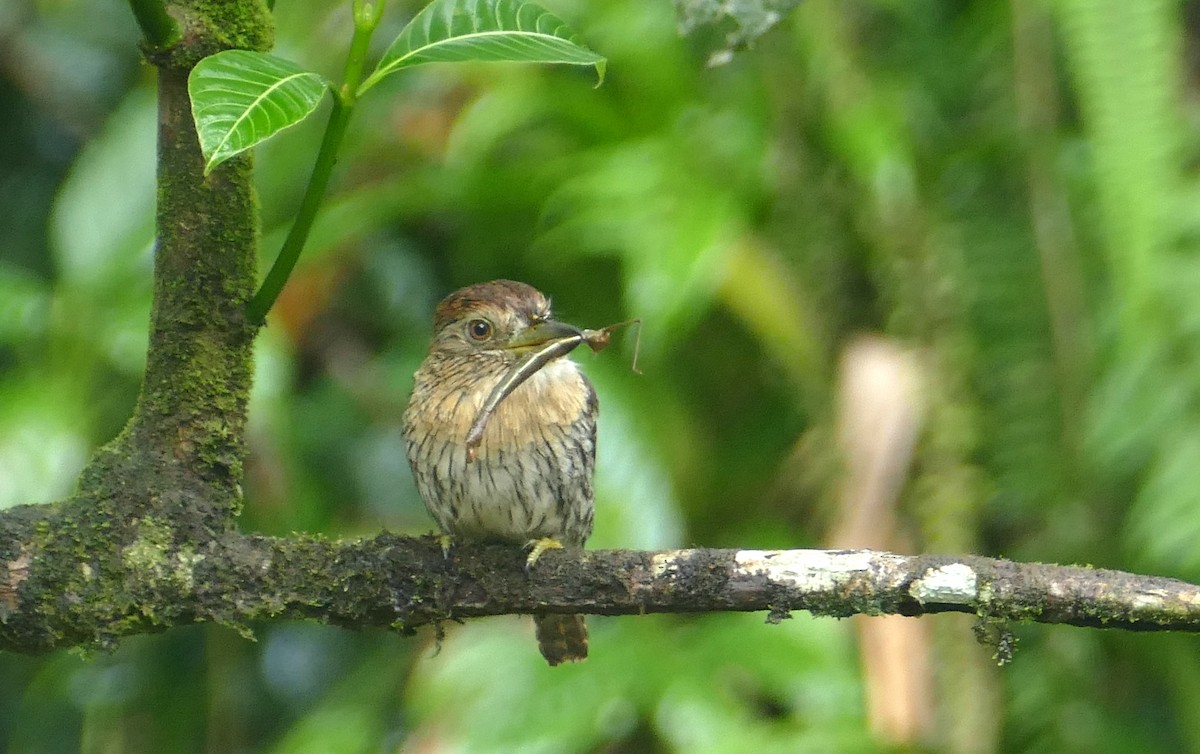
column 954, row 583
column 809, row 570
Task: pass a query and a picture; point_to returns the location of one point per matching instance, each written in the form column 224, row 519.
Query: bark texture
column 403, row 582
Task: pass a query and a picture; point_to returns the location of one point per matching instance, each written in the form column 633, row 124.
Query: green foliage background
column 1008, row 187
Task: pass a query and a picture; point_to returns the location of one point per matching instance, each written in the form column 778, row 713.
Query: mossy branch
column 154, row 582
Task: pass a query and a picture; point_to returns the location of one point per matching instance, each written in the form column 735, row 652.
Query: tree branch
column 402, row 582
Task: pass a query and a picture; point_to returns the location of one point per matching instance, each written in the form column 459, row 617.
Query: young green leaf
column 241, row 98
column 452, row 31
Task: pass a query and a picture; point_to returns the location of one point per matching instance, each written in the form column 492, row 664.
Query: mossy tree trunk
column 159, row 494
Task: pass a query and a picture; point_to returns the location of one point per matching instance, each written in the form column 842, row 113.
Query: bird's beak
column 541, row 333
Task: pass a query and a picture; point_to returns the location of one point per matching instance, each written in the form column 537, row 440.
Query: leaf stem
column 159, row 29
column 273, row 284
column 366, row 18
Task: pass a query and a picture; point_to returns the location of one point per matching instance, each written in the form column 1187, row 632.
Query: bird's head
column 501, row 319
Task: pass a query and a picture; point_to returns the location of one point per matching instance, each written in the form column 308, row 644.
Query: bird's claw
column 446, row 542
column 538, row 546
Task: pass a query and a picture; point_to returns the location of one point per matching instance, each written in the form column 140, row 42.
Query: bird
column 529, row 481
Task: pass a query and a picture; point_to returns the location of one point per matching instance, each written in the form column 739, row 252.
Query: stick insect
column 597, row 340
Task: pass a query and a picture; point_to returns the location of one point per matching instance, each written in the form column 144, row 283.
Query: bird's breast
column 532, row 472
column 556, row 395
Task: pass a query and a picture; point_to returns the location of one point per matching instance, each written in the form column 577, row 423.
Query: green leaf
column 241, row 98
column 454, row 31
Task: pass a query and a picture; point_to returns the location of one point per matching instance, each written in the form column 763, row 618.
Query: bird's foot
column 538, row 546
column 446, row 542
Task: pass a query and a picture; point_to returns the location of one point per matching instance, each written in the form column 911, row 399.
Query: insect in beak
column 539, row 344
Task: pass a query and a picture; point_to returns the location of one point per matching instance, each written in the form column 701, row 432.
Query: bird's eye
column 479, row 329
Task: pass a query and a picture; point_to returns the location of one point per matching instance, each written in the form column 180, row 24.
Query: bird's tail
column 562, row 638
